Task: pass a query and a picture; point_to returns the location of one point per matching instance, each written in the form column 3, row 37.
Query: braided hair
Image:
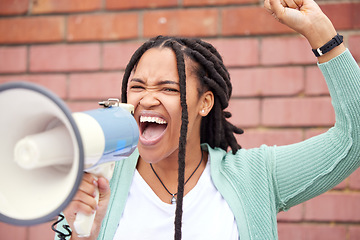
column 215, row 130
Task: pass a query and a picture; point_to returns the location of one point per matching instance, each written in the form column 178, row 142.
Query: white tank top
column 206, row 215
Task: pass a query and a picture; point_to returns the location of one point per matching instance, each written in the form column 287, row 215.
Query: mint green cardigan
column 258, row 183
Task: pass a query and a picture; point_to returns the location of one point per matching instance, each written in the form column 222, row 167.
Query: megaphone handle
column 83, row 223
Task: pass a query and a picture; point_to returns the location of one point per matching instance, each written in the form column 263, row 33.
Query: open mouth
column 152, row 128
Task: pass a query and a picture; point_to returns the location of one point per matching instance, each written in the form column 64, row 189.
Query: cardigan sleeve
column 304, row 170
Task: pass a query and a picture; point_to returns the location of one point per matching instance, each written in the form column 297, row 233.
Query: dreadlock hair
column 216, row 130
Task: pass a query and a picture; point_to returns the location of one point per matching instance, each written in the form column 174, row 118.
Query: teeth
column 152, row 119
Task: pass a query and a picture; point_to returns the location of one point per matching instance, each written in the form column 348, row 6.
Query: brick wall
column 78, row 49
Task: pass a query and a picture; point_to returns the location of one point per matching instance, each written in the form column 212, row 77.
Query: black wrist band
column 334, row 42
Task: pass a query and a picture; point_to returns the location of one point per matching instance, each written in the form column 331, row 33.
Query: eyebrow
column 163, row 82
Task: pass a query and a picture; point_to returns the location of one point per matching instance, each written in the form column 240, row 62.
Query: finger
column 291, row 4
column 88, row 186
column 277, row 7
column 87, row 177
column 283, row 3
column 75, row 207
column 267, row 5
column 84, row 198
column 299, row 3
column 80, row 207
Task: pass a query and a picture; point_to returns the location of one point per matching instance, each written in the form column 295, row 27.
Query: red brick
column 293, row 215
column 12, row 232
column 315, row 83
column 341, row 186
column 250, row 21
column 312, row 132
column 286, row 50
column 203, row 22
column 57, row 58
column 13, row 59
column 245, row 112
column 354, row 46
column 354, row 232
column 293, row 231
column 343, row 15
column 341, row 207
column 355, row 9
column 55, row 6
column 13, row 7
column 256, row 137
column 31, row 30
column 41, row 232
column 117, row 55
column 55, row 83
column 102, row 27
column 115, row 4
column 76, row 106
column 354, row 180
column 238, row 52
column 282, row 81
column 97, row 86
column 298, row 112
column 215, row 2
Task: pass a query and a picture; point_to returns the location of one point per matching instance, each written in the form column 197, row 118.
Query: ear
column 206, row 103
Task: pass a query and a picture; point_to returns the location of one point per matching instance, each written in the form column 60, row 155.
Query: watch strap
column 334, row 42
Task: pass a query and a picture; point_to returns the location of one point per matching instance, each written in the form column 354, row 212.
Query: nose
column 149, row 100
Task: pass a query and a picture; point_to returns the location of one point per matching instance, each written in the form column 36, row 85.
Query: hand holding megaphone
column 84, row 221
column 47, row 148
column 84, row 203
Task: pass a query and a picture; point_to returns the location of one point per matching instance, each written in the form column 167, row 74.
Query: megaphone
column 44, row 149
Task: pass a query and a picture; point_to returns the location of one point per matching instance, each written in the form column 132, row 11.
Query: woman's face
column 155, row 93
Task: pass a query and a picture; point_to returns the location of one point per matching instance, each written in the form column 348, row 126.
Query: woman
column 180, row 88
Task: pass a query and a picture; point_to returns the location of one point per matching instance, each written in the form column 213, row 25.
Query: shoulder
column 246, row 168
column 243, row 158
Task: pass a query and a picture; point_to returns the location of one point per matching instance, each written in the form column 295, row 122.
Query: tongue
column 153, row 130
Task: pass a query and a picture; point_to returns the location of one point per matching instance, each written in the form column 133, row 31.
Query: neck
column 168, row 167
column 167, row 170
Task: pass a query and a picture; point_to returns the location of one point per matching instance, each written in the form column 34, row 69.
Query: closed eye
column 171, row 90
column 136, row 87
column 136, row 84
column 166, row 86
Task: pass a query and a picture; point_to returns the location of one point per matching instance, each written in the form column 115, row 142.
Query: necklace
column 173, row 198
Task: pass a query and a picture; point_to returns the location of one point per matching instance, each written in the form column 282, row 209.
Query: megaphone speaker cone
column 49, row 148
column 32, row 190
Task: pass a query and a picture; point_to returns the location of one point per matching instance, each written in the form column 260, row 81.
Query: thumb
column 104, row 198
column 277, row 8
column 104, row 188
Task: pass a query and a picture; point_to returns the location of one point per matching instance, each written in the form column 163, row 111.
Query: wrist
column 320, row 33
column 332, row 54
column 330, row 45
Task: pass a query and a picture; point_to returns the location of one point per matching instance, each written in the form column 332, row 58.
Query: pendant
column 173, row 199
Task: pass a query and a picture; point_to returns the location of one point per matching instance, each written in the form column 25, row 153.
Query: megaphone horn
column 45, row 149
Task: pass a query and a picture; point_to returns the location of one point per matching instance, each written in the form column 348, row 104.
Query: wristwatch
column 334, row 42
